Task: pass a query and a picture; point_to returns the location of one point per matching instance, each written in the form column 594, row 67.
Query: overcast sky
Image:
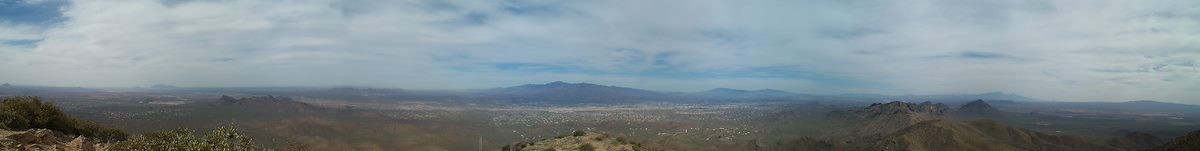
column 1076, row 50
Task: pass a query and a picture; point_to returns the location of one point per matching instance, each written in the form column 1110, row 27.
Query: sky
column 1067, row 50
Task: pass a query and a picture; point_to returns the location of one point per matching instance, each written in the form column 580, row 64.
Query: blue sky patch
column 24, row 12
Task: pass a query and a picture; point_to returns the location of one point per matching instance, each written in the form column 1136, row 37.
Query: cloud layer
column 1065, row 50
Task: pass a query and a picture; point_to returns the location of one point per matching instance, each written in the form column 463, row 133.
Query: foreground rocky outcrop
column 578, row 141
column 29, row 124
column 48, row 140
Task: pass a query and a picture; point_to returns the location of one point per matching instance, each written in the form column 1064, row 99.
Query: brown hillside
column 887, row 118
column 978, row 135
column 1190, row 142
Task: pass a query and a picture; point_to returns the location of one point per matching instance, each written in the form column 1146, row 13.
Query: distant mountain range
column 564, row 92
column 727, row 93
column 954, row 99
column 573, row 92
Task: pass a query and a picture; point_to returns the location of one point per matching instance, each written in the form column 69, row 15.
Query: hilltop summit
column 977, row 108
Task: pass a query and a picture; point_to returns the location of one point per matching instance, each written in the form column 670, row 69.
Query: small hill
column 268, row 102
column 977, row 109
column 578, row 141
column 1189, row 142
column 886, row 118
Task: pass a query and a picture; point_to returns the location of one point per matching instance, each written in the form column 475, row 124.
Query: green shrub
column 225, row 138
column 579, row 133
column 29, row 112
column 587, row 147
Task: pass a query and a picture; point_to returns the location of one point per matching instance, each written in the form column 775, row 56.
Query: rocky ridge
column 884, row 118
column 47, row 140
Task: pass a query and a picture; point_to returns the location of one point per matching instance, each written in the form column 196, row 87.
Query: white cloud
column 1069, row 50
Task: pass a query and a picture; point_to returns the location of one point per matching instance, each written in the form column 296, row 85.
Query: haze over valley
column 361, row 118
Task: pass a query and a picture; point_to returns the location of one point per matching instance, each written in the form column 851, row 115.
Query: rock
column 46, row 140
column 36, row 136
column 80, row 144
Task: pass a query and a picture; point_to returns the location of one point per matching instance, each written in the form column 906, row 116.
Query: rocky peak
column 977, row 108
column 883, row 118
column 255, row 99
column 897, row 107
column 558, row 83
column 266, row 102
